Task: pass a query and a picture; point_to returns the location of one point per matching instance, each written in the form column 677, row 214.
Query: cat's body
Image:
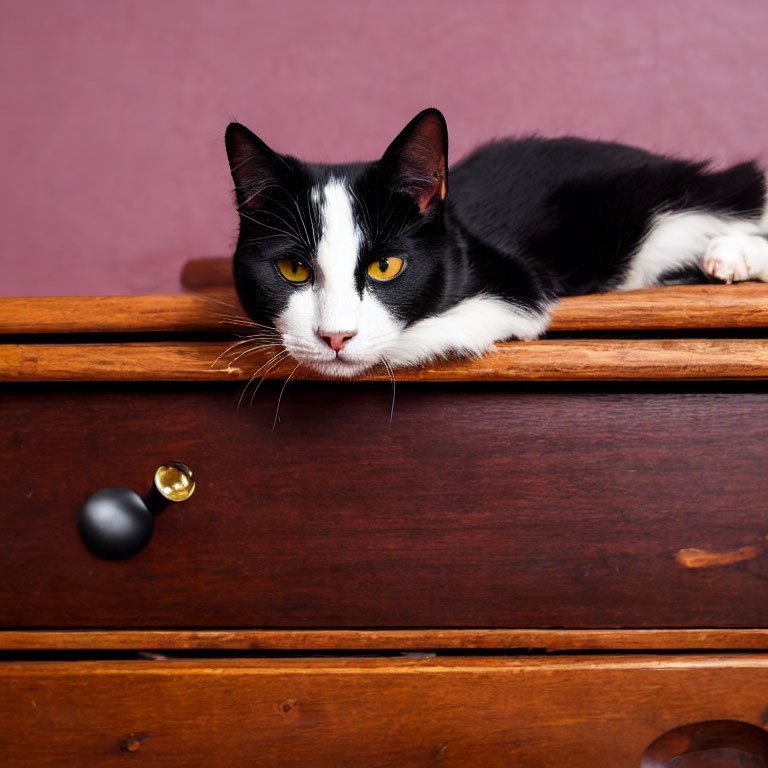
column 370, row 263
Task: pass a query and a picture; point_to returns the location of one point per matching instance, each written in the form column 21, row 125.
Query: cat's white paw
column 726, row 259
column 735, row 258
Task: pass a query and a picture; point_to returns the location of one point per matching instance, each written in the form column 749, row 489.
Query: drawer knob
column 709, row 744
column 116, row 523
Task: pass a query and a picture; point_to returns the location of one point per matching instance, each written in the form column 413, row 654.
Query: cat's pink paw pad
column 726, row 259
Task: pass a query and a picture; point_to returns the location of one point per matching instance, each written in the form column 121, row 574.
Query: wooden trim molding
column 548, row 360
column 389, row 639
column 670, row 308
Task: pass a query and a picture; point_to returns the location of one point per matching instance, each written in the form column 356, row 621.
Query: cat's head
column 341, row 259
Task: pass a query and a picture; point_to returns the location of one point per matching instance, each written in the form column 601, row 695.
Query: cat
column 396, row 262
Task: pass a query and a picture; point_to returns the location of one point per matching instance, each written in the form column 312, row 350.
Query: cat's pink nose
column 336, row 341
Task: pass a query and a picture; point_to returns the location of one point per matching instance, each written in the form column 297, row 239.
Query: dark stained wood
column 387, row 639
column 548, row 360
column 207, row 273
column 474, row 713
column 713, row 744
column 493, row 509
column 670, row 308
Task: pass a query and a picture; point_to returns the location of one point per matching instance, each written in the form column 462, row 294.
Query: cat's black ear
column 253, row 164
column 416, row 162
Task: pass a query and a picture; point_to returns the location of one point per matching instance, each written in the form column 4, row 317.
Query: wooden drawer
column 549, row 713
column 490, row 506
column 495, row 512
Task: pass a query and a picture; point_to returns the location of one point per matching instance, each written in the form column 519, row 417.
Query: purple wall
column 112, row 113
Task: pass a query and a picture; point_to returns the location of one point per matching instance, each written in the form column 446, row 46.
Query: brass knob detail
column 174, row 481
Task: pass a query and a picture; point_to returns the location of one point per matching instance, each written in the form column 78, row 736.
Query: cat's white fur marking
column 376, row 328
column 332, row 304
column 469, row 328
column 678, row 240
column 338, row 305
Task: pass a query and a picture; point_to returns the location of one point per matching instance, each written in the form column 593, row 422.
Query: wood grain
column 474, row 713
column 492, row 509
column 548, row 360
column 113, row 314
column 392, row 639
column 670, row 308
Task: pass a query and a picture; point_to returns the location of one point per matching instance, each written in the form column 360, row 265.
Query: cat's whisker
column 255, row 339
column 245, row 340
column 391, row 373
column 253, row 349
column 260, row 333
column 296, row 221
column 243, row 320
column 303, row 223
column 245, row 389
column 233, row 321
column 298, row 342
column 289, row 234
column 396, row 228
column 230, row 348
column 305, row 352
column 285, row 354
column 256, row 240
column 389, row 208
column 248, row 199
column 260, row 337
column 256, row 373
column 208, row 297
column 294, row 229
column 280, row 397
column 260, row 191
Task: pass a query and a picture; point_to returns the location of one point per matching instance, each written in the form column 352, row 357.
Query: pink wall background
column 112, row 114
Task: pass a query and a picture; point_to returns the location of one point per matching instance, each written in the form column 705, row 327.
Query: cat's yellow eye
column 385, row 269
column 294, row 271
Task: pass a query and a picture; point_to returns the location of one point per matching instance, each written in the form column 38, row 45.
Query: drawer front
column 548, row 713
column 476, row 507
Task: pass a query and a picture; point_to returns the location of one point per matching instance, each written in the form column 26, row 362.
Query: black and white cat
column 361, row 264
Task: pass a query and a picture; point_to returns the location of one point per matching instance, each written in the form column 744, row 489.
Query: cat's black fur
column 525, row 220
column 574, row 211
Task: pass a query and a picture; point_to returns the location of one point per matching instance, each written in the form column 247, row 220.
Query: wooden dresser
column 555, row 557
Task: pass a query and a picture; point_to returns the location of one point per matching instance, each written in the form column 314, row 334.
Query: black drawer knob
column 116, row 523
